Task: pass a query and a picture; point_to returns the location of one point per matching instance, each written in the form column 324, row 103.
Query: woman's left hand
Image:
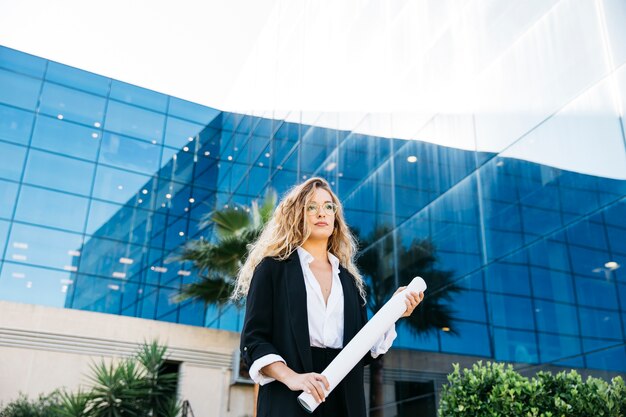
column 412, row 300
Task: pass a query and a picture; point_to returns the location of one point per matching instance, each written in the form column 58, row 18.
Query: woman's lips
column 321, row 224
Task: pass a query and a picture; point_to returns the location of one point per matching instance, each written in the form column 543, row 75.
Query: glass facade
column 102, row 181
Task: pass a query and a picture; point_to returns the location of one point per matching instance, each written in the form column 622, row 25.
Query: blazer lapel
column 350, row 306
column 296, row 301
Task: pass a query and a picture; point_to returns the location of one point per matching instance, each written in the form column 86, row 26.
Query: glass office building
column 102, row 181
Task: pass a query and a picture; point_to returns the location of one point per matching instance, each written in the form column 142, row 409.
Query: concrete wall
column 44, row 348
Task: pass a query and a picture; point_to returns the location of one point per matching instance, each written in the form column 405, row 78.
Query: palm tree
column 432, row 315
column 219, row 260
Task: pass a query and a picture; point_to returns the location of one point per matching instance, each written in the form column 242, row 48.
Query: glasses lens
column 330, row 208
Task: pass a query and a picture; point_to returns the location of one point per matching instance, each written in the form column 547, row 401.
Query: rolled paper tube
column 360, row 344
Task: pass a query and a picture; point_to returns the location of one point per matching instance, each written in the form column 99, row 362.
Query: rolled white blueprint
column 354, row 351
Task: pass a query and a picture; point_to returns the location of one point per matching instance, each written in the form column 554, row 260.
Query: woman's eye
column 311, row 208
column 328, row 207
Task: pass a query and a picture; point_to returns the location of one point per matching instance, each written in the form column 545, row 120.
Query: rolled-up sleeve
column 384, row 342
column 257, row 332
column 255, row 369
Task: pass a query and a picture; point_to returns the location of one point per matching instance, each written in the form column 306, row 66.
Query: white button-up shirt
column 325, row 320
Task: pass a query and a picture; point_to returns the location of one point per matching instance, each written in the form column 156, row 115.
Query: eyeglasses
column 313, row 208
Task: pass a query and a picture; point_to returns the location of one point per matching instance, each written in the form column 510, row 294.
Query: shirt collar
column 308, row 258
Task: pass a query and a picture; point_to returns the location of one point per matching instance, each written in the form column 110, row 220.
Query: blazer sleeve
column 256, row 335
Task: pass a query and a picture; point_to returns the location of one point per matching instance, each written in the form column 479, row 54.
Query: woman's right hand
column 311, row 383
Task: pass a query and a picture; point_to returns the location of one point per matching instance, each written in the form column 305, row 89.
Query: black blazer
column 276, row 322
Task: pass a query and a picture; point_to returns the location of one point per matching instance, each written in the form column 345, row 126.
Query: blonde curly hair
column 287, row 229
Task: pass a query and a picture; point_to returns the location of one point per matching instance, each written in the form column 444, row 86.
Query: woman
column 305, row 301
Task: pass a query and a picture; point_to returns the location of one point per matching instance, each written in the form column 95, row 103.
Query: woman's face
column 320, row 215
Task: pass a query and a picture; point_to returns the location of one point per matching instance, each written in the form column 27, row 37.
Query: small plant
column 43, row 406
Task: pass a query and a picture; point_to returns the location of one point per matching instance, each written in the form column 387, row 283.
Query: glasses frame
column 318, row 207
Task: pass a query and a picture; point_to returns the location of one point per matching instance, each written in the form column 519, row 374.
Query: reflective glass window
column 605, row 354
column 76, row 78
column 58, row 172
column 556, row 317
column 98, row 294
column 44, row 247
column 73, row 105
column 179, row 133
column 12, row 161
column 600, row 323
column 192, row 111
column 19, row 90
column 472, row 339
column 507, row 278
column 138, row 96
column 51, row 208
column 21, row 62
column 4, row 231
column 8, row 195
column 515, row 345
column 133, row 121
column 120, row 186
column 15, row 125
column 131, row 154
column 32, row 285
column 72, row 139
column 509, row 311
column 552, row 285
column 564, row 349
column 596, row 292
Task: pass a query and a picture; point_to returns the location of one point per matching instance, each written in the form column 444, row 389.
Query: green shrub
column 498, row 390
column 23, row 407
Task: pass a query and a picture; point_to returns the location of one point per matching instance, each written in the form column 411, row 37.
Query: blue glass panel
column 177, row 165
column 552, row 285
column 166, row 303
column 21, row 62
column 32, row 285
column 138, row 96
column 539, row 222
column 468, row 305
column 472, row 339
column 596, row 293
column 73, row 105
column 131, row 154
column 69, row 138
column 74, row 77
column 19, row 90
column 98, row 294
column 15, row 125
column 503, row 277
column 515, row 346
column 111, row 259
column 509, row 311
column 557, row 347
column 120, row 186
column 589, row 234
column 12, row 163
column 8, row 195
column 556, row 318
column 4, row 231
column 588, row 262
column 44, row 247
column 135, row 122
column 550, row 254
column 192, row 111
column 54, row 171
column 179, row 133
column 51, row 208
column 600, row 323
column 148, row 301
column 192, row 313
column 607, row 354
column 122, row 223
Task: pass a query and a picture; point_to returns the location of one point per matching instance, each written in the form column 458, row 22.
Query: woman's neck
column 317, row 249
